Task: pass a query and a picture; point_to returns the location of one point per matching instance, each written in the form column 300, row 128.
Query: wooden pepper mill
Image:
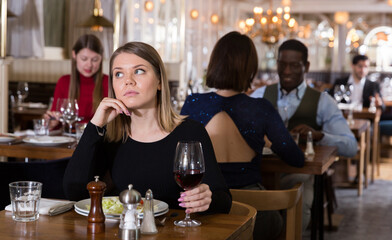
column 96, row 217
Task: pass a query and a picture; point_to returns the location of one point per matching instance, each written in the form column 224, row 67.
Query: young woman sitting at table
column 233, row 65
column 133, row 136
column 87, row 84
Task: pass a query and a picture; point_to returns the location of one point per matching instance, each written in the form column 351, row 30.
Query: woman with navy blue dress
column 232, row 67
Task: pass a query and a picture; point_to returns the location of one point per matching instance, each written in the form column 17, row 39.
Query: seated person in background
column 362, row 88
column 142, row 133
column 87, row 83
column 306, row 109
column 244, row 120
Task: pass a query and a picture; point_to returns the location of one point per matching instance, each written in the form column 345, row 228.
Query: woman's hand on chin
column 108, row 109
column 197, row 199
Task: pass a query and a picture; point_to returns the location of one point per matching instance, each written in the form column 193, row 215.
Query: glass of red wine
column 188, row 172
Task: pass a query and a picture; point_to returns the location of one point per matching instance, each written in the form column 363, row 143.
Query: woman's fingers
column 108, row 109
column 49, row 115
column 197, row 199
column 198, row 206
column 116, row 104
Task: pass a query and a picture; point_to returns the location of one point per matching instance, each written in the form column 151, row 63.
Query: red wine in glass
column 188, row 169
column 188, row 179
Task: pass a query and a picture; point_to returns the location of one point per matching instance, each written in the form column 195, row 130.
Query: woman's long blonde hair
column 91, row 42
column 120, row 127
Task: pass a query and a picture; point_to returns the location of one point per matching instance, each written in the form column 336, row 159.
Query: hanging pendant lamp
column 97, row 22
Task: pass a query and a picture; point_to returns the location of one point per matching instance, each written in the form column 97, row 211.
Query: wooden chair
column 243, row 209
column 264, row 200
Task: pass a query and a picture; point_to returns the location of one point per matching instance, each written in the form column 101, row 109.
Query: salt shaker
column 372, row 107
column 309, row 145
column 129, row 228
column 96, row 217
column 148, row 224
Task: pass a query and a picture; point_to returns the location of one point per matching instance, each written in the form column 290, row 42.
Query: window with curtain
column 54, row 23
column 25, row 33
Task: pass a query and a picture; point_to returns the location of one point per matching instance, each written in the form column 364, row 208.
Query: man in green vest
column 305, row 109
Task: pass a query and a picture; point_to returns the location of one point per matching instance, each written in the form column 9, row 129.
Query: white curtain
column 25, row 34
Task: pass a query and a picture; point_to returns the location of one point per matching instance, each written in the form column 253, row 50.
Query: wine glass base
column 187, row 223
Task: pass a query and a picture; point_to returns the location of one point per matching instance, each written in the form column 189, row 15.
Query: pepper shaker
column 129, row 228
column 148, row 224
column 96, row 217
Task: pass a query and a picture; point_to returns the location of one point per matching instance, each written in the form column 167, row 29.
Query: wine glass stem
column 187, row 217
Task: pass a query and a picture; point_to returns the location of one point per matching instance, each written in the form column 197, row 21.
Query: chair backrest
column 264, row 200
column 243, row 209
column 49, row 173
column 228, row 143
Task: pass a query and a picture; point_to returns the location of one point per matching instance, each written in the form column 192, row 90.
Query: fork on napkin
column 51, row 207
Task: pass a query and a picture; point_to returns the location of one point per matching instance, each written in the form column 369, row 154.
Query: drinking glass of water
column 25, row 197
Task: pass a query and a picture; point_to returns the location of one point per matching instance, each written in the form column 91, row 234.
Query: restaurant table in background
column 71, row 225
column 271, row 167
column 25, row 150
column 361, row 130
column 374, row 117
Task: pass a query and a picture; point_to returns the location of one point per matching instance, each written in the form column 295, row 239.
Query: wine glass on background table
column 22, row 91
column 58, row 113
column 338, row 93
column 348, row 90
column 69, row 110
column 188, row 172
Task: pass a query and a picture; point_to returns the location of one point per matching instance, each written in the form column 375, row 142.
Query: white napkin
column 51, row 207
column 37, row 105
column 27, row 132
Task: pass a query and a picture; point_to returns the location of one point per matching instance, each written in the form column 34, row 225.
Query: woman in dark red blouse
column 86, row 83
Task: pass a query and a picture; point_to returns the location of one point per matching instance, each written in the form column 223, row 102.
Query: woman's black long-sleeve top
column 145, row 165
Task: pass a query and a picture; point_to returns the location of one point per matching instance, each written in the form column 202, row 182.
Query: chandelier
column 270, row 25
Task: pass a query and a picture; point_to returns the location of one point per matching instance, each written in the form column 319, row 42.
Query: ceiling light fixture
column 97, row 22
column 270, row 25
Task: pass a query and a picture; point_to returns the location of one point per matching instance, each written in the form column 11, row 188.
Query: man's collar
column 299, row 91
column 351, row 80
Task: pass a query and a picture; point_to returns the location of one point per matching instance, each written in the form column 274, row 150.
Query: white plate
column 267, row 151
column 107, row 218
column 116, row 217
column 6, row 138
column 48, row 140
column 160, row 208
